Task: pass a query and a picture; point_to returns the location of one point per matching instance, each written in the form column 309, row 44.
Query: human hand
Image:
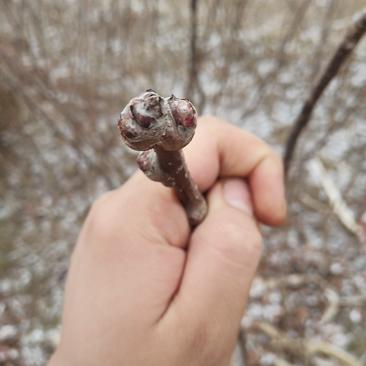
column 143, row 289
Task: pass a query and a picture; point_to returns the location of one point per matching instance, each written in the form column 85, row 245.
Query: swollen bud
column 183, row 112
column 138, row 115
column 146, row 108
column 150, row 120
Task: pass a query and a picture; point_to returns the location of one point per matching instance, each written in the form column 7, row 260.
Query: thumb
column 223, row 256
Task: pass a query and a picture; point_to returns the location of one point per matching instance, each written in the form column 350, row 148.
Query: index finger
column 223, row 150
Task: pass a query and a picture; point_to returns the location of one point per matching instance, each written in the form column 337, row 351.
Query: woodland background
column 66, row 70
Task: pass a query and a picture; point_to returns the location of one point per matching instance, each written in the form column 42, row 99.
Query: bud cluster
column 149, row 120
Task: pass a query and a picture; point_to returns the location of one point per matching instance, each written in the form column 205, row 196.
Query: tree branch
column 343, row 51
column 305, row 348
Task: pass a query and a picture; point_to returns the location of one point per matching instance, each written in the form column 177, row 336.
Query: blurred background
column 66, row 70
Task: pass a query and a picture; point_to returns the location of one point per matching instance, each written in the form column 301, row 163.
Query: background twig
column 343, row 51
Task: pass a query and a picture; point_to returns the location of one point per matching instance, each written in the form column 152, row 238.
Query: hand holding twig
column 160, row 127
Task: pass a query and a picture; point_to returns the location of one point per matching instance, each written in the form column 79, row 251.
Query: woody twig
column 159, row 128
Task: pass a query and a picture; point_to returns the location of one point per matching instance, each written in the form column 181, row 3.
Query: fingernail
column 236, row 194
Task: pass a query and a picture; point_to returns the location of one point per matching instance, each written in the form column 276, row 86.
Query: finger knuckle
column 240, row 244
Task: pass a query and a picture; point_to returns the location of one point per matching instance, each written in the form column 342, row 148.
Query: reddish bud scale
column 146, row 109
column 183, row 112
column 142, row 120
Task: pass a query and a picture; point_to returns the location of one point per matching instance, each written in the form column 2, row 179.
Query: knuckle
column 242, row 243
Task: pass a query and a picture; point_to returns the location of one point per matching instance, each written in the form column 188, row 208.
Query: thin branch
column 193, row 84
column 332, row 307
column 342, row 53
column 192, row 65
column 323, row 38
column 342, row 211
column 305, row 348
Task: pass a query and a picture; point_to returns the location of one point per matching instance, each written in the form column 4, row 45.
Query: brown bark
column 160, row 128
column 342, row 53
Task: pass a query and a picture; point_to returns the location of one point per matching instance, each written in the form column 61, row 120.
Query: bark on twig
column 343, row 51
column 192, row 66
column 193, row 84
column 160, row 128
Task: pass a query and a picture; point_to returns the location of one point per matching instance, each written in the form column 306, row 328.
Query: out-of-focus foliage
column 66, row 70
